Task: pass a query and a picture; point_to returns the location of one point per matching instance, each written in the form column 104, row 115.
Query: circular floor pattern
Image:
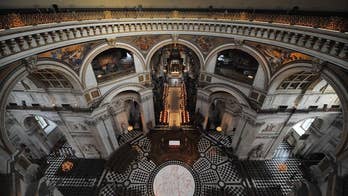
column 174, row 180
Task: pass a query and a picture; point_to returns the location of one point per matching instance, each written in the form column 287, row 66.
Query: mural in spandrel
column 72, row 55
column 113, row 63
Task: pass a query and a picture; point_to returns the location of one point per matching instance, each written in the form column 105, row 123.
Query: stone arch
column 327, row 74
column 62, row 68
column 18, row 74
column 124, row 100
column 236, row 93
column 263, row 76
column 163, row 43
column 113, row 92
column 139, row 66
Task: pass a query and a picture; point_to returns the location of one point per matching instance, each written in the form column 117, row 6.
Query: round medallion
column 173, row 180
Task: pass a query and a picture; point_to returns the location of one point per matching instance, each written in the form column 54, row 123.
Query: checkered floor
column 74, row 185
column 215, row 172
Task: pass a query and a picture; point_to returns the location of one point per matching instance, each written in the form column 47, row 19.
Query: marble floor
column 173, row 180
column 203, row 162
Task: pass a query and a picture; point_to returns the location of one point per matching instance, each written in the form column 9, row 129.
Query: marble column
column 147, row 110
column 103, row 133
column 231, row 118
column 202, row 105
column 244, row 137
column 66, row 132
column 108, row 122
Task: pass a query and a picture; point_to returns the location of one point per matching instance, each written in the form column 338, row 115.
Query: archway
column 298, row 88
column 174, row 66
column 63, row 78
column 229, row 57
column 110, row 62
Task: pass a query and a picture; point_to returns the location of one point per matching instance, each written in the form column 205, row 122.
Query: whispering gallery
column 173, row 98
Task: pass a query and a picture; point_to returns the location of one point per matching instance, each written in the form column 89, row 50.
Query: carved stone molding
column 111, row 41
column 30, row 63
column 318, row 65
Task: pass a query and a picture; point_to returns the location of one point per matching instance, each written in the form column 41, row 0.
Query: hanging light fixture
column 218, row 129
column 130, row 128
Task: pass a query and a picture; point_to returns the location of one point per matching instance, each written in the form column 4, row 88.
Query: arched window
column 299, row 80
column 48, row 78
column 302, row 126
column 46, row 125
column 41, row 121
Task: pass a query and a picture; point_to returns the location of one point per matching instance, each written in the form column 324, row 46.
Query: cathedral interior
column 173, row 98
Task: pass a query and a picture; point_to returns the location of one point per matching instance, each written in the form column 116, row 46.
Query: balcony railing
column 12, row 20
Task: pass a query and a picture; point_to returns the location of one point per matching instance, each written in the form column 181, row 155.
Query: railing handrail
column 17, row 19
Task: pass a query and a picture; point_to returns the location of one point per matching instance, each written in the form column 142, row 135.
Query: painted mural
column 237, row 65
column 277, row 57
column 204, row 43
column 113, row 63
column 144, row 43
column 72, row 55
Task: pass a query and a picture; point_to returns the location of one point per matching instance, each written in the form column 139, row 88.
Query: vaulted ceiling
column 305, row 5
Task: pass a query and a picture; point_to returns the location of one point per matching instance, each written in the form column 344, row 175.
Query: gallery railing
column 19, row 43
column 12, row 20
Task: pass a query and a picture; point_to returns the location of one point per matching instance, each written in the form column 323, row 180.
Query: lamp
column 130, row 128
column 67, row 166
column 282, row 167
column 218, row 129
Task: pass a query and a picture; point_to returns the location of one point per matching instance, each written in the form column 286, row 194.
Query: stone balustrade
column 25, row 19
column 22, row 42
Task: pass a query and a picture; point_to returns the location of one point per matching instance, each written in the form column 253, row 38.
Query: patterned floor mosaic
column 215, row 172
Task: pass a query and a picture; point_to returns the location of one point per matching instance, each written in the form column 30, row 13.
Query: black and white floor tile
column 215, row 172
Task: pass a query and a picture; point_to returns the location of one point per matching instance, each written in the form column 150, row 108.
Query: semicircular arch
column 113, row 92
column 17, row 75
column 163, row 43
column 264, row 75
column 331, row 78
column 218, row 87
column 139, row 67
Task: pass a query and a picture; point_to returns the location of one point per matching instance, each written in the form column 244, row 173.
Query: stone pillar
column 108, row 122
column 231, row 117
column 38, row 140
column 227, row 122
column 66, row 132
column 105, row 124
column 147, row 110
column 202, row 105
column 103, row 133
column 244, row 137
